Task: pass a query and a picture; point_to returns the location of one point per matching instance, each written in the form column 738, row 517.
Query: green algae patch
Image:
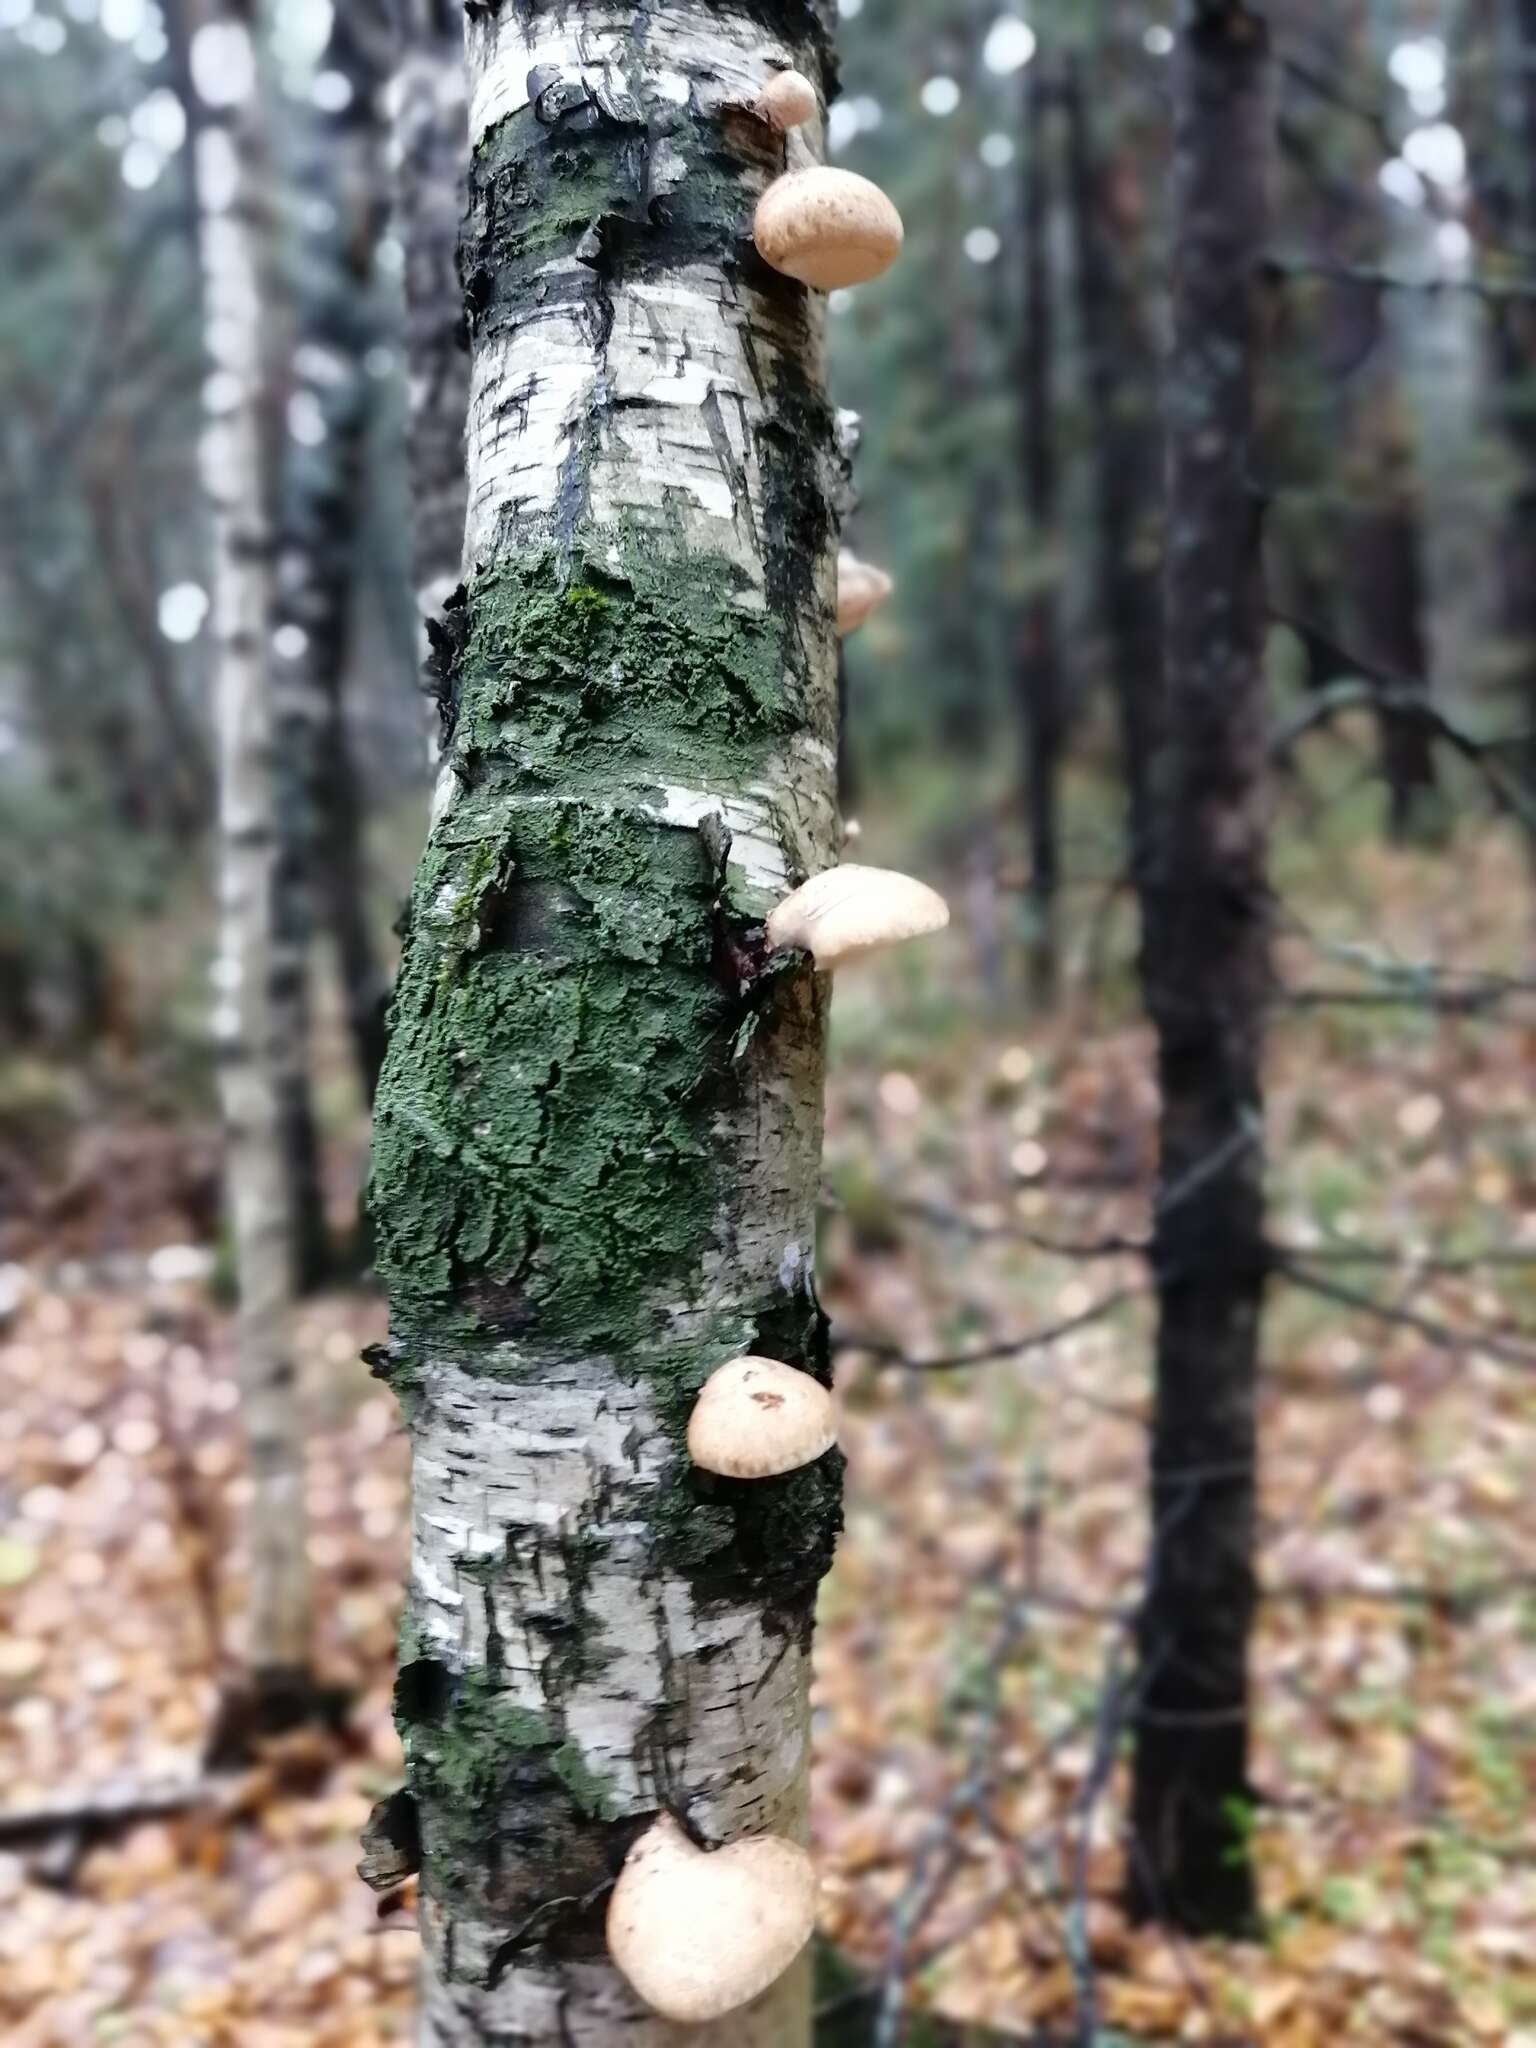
column 561, row 1034
column 648, row 668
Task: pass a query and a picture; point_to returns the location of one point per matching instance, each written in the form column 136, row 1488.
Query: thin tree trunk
column 1121, row 375
column 1390, row 596
column 1205, row 970
column 228, row 169
column 432, row 148
column 598, row 1129
column 1039, row 664
column 322, row 860
column 1514, row 349
column 847, row 782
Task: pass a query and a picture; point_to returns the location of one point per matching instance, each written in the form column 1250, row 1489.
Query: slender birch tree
column 598, row 1129
column 1206, row 976
column 218, row 41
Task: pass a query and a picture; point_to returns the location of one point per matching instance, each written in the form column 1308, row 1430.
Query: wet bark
column 229, row 156
column 598, row 1130
column 1205, row 973
column 1039, row 657
column 1121, row 373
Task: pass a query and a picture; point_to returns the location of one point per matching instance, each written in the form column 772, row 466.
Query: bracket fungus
column 861, row 587
column 788, row 100
column 847, row 911
column 757, row 1417
column 699, row 1933
column 828, row 228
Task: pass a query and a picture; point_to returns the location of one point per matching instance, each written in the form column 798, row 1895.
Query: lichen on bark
column 598, row 1134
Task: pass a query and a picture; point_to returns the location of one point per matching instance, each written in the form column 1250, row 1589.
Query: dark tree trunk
column 1390, row 596
column 1122, row 394
column 322, row 875
column 1514, row 346
column 1039, row 661
column 847, row 786
column 432, row 145
column 1205, row 970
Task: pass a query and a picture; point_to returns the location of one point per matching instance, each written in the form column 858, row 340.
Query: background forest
column 1016, row 1287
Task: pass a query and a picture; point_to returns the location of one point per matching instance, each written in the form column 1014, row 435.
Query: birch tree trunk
column 432, row 152
column 599, row 1125
column 228, row 170
column 1205, row 972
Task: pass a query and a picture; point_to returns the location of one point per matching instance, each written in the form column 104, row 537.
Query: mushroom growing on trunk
column 757, row 1417
column 828, row 228
column 700, row 1933
column 845, row 912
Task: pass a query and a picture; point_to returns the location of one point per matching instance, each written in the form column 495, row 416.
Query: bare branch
column 1031, row 1340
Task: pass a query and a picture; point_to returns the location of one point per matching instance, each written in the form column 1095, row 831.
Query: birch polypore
column 861, row 588
column 788, row 100
column 848, row 911
column 757, row 1417
column 700, row 1934
column 827, row 228
column 596, row 1148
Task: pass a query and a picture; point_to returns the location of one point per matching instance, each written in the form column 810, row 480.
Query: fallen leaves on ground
column 961, row 1795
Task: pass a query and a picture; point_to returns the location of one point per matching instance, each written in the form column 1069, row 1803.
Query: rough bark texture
column 227, row 139
column 322, row 866
column 1039, row 667
column 1121, row 373
column 432, row 151
column 1205, row 969
column 598, row 1129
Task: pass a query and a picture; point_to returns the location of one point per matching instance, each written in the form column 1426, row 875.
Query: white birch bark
column 648, row 396
column 226, row 138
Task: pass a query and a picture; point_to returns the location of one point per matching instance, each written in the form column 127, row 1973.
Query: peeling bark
column 227, row 140
column 1206, row 975
column 598, row 1131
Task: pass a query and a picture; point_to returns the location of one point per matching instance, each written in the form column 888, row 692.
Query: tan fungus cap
column 826, row 227
column 860, row 588
column 756, row 1417
column 846, row 911
column 788, row 100
column 697, row 1932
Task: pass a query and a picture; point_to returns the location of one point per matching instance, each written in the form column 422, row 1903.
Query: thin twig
column 1013, row 1347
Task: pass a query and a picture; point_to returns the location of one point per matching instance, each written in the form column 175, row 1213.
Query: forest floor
column 972, row 1656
